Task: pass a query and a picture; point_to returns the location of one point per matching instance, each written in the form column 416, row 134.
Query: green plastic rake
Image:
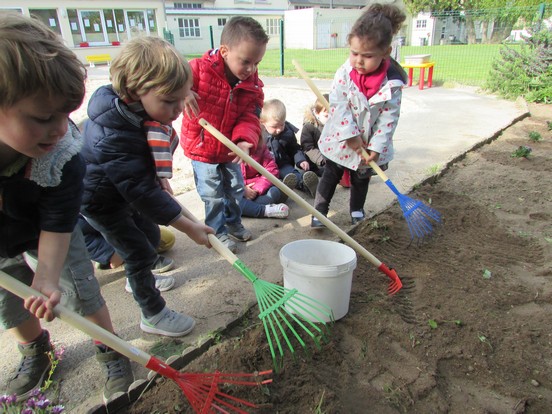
column 284, row 312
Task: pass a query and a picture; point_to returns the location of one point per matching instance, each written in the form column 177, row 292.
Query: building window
column 420, row 24
column 109, row 26
column 48, row 17
column 221, row 21
column 189, row 27
column 272, row 27
column 188, row 5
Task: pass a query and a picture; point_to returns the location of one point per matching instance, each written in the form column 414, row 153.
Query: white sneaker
column 163, row 283
column 276, row 210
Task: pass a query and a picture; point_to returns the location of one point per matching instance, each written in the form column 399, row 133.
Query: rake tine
column 269, row 327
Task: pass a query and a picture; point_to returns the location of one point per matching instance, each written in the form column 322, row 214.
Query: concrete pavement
column 437, row 126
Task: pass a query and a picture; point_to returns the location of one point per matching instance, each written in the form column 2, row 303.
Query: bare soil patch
column 484, row 281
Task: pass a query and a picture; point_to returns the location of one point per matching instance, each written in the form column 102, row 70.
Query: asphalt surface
column 437, row 126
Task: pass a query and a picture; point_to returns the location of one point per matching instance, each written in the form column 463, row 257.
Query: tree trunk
column 470, row 29
column 484, row 31
column 501, row 31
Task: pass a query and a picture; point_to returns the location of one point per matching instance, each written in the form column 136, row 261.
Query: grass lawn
column 465, row 64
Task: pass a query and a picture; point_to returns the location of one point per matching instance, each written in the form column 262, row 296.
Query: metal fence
column 463, row 44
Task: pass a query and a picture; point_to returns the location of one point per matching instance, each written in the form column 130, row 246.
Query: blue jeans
column 256, row 208
column 101, row 251
column 121, row 231
column 220, row 187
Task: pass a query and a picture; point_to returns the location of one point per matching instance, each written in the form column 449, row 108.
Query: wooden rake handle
column 75, row 320
column 221, row 249
column 323, row 100
column 291, row 194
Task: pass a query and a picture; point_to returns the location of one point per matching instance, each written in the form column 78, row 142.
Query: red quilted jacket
column 233, row 111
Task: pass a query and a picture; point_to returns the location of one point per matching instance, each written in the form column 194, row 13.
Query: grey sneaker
column 117, row 370
column 33, row 367
column 310, row 180
column 161, row 265
column 163, row 283
column 228, row 242
column 168, row 323
column 239, row 232
column 290, row 180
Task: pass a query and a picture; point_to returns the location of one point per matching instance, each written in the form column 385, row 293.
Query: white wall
column 207, row 18
column 299, row 29
column 313, row 28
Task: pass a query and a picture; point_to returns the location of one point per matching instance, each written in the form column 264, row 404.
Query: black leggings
column 332, row 175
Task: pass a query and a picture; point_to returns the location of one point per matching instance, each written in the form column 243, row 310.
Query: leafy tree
column 526, row 71
column 499, row 15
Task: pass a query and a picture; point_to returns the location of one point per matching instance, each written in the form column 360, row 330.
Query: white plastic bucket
column 321, row 270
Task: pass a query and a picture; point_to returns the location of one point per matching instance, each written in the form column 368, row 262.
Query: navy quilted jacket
column 120, row 172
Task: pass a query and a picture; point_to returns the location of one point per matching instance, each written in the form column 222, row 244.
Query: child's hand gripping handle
column 215, row 242
column 94, row 331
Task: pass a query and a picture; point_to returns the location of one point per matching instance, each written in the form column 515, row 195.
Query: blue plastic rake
column 419, row 216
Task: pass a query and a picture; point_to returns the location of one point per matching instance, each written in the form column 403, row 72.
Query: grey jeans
column 80, row 288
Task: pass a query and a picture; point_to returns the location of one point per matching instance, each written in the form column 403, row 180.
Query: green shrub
column 526, row 71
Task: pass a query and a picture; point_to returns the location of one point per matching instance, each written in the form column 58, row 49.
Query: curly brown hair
column 378, row 24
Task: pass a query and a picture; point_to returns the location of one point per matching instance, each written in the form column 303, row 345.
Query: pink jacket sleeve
column 260, row 183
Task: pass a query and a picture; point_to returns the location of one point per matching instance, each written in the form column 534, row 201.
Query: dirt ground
column 469, row 333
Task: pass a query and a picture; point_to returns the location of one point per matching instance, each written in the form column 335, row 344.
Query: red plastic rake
column 201, row 390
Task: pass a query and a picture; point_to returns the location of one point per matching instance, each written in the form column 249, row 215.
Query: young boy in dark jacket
column 230, row 97
column 128, row 149
column 282, row 143
column 41, row 171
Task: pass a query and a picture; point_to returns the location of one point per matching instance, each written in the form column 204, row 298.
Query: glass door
column 137, row 23
column 93, row 27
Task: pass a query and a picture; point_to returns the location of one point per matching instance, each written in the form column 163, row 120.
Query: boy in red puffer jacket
column 229, row 95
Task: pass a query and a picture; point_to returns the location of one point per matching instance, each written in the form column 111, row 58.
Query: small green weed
column 397, row 397
column 318, row 409
column 549, row 123
column 413, row 341
column 485, row 340
column 535, row 136
column 434, row 169
column 522, row 151
column 168, row 347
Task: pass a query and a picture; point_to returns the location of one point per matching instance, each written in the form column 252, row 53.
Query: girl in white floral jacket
column 365, row 102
